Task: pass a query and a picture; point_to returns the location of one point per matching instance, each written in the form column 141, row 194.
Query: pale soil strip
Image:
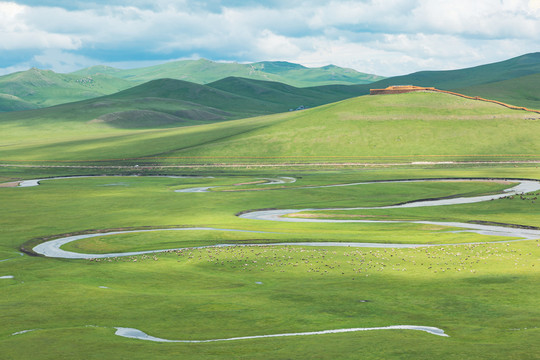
column 323, row 216
column 278, row 165
column 140, row 335
column 204, row 189
column 10, row 184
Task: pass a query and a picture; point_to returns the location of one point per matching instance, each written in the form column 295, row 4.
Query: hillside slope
column 456, row 79
column 205, row 71
column 38, row 88
column 392, row 128
column 41, row 88
column 522, row 91
column 13, row 103
column 172, row 103
column 414, row 125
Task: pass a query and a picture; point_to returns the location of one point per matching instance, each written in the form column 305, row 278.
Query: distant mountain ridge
column 514, row 81
column 175, row 103
column 204, row 71
column 413, row 127
column 520, row 66
column 37, row 88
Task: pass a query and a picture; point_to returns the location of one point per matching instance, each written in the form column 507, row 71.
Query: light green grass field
column 485, row 297
column 373, row 129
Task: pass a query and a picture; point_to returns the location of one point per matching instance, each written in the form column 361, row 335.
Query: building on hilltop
column 399, row 89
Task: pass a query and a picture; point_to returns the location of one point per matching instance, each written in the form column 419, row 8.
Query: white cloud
column 16, row 32
column 62, row 61
column 382, row 36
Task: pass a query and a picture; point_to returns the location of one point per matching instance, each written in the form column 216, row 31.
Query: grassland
column 171, row 103
column 517, row 67
column 483, row 296
column 37, row 88
column 509, row 81
column 522, row 91
column 369, row 129
column 204, row 71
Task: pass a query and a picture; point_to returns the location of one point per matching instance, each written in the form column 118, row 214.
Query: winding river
column 37, row 182
column 52, row 248
column 138, row 334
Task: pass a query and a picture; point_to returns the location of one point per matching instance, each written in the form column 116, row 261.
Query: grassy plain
column 369, row 129
column 485, row 296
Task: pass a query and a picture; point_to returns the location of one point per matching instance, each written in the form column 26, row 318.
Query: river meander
column 52, row 248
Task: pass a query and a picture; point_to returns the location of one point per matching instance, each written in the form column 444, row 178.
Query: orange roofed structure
column 400, row 89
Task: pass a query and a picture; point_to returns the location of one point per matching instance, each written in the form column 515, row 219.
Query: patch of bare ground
column 251, row 183
column 504, row 182
column 10, row 184
column 258, row 189
column 323, row 216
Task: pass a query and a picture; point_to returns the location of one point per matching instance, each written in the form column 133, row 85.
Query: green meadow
column 368, row 129
column 481, row 290
column 484, row 296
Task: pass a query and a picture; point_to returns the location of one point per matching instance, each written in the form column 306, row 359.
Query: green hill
column 392, row 128
column 205, row 71
column 172, row 103
column 522, row 91
column 39, row 88
column 285, row 96
column 13, row 103
column 455, row 79
column 42, row 88
column 407, row 126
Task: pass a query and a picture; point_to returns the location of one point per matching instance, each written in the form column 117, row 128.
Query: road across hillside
column 255, row 165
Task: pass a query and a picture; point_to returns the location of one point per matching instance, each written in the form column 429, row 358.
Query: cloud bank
column 385, row 37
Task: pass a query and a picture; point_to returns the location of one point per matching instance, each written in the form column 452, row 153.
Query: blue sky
column 385, row 37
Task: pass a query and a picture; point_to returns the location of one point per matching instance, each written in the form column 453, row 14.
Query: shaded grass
column 397, row 128
column 214, row 293
column 478, row 294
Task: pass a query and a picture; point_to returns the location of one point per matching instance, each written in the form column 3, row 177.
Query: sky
column 383, row 37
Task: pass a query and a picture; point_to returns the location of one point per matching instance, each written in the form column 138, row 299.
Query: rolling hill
column 205, row 71
column 406, row 126
column 456, row 79
column 37, row 88
column 392, row 128
column 522, row 91
column 172, row 103
column 13, row 103
column 512, row 81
